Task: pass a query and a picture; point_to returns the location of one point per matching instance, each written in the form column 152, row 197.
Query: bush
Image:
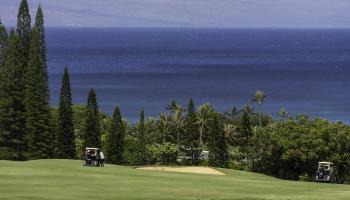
column 291, row 148
column 130, row 153
column 235, row 165
column 162, row 153
column 204, row 163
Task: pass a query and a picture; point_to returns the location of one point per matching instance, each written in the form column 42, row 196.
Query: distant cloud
column 188, row 13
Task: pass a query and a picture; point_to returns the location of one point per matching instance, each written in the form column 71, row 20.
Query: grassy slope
column 66, row 179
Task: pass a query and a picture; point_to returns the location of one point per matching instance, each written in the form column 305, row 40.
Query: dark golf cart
column 324, row 172
column 91, row 157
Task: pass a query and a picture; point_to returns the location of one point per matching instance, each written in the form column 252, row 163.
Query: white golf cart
column 91, row 156
column 324, row 172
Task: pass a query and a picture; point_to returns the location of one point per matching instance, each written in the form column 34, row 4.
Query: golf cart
column 324, row 172
column 91, row 156
column 204, row 155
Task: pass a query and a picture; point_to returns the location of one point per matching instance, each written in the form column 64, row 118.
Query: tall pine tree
column 40, row 28
column 39, row 25
column 245, row 134
column 142, row 138
column 65, row 127
column 39, row 133
column 41, row 45
column 12, row 108
column 245, row 128
column 24, row 31
column 218, row 149
column 92, row 135
column 116, row 139
column 38, row 116
column 3, row 43
column 191, row 136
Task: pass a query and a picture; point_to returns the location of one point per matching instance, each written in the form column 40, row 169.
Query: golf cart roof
column 91, row 148
column 325, row 163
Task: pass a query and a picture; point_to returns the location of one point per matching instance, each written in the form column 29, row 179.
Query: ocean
column 303, row 70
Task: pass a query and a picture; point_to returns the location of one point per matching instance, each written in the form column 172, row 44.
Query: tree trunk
column 201, row 137
column 260, row 115
column 178, row 142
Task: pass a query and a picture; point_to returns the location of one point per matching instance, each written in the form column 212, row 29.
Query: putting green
column 68, row 179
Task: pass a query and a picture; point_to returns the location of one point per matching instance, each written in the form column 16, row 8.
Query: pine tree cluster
column 26, row 130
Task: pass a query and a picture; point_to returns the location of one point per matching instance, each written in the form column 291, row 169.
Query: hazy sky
column 188, row 13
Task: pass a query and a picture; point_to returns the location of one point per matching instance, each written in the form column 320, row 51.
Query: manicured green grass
column 67, row 179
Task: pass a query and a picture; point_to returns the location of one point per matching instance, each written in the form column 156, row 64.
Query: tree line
column 288, row 147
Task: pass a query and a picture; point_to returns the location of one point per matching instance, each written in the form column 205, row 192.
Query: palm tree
column 231, row 133
column 233, row 113
column 179, row 123
column 203, row 118
column 164, row 127
column 172, row 106
column 259, row 98
column 249, row 109
column 150, row 127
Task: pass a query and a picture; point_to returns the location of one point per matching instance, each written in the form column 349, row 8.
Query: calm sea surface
column 305, row 71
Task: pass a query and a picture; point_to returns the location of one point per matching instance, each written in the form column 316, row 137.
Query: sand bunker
column 196, row 170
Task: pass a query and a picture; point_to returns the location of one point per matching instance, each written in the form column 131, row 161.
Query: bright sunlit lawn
column 68, row 179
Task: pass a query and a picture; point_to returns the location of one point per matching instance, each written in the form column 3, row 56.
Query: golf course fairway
column 68, row 179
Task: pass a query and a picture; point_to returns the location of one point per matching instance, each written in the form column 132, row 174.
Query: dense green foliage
column 218, row 150
column 291, row 149
column 65, row 127
column 164, row 154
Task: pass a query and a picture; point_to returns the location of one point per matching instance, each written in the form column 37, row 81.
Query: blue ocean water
column 303, row 70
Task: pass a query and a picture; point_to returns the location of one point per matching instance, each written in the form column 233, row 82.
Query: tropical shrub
column 164, row 154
